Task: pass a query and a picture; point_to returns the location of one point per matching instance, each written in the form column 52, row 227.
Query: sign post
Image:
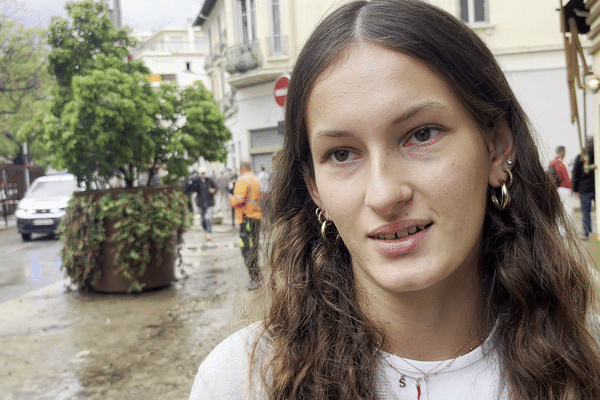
column 280, row 90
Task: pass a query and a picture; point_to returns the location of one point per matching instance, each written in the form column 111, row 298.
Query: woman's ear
column 312, row 186
column 314, row 192
column 503, row 153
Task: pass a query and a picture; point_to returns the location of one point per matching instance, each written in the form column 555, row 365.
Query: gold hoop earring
column 504, row 193
column 510, row 178
column 323, row 221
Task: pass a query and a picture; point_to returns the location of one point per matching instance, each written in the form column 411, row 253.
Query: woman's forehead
column 372, row 77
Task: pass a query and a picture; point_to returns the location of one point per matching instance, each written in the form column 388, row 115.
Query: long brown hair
column 537, row 281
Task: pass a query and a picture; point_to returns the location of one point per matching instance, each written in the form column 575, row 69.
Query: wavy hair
column 538, row 282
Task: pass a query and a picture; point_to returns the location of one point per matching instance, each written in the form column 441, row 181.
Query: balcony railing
column 243, row 57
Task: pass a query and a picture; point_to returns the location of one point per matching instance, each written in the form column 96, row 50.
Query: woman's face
column 402, row 169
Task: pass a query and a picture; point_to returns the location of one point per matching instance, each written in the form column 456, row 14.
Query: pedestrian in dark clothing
column 3, row 201
column 230, row 186
column 584, row 184
column 205, row 189
column 186, row 185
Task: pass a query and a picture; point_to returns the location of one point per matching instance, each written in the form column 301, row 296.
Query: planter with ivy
column 123, row 240
column 111, row 128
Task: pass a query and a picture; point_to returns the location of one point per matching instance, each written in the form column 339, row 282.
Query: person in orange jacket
column 246, row 202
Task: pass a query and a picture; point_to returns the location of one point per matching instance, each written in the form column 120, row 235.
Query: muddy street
column 60, row 344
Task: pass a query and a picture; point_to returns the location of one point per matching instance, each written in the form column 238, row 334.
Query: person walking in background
column 205, row 189
column 3, row 202
column 245, row 200
column 263, row 177
column 230, row 185
column 186, row 188
column 559, row 172
column 584, row 185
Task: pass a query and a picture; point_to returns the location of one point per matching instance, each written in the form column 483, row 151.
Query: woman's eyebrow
column 417, row 109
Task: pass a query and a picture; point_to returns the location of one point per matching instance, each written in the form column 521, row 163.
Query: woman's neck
column 431, row 324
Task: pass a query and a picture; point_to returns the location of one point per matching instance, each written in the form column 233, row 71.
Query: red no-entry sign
column 280, row 90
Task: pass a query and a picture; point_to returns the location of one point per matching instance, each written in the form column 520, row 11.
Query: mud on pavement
column 60, row 344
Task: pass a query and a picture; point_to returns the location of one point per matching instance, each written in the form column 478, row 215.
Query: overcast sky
column 144, row 15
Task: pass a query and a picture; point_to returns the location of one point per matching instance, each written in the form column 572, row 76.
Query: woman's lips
column 393, row 244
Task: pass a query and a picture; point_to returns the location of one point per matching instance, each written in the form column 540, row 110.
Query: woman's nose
column 387, row 189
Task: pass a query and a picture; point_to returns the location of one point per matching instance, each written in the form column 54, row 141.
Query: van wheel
column 26, row 237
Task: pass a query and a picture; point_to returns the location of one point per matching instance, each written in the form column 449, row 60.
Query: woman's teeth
column 401, row 234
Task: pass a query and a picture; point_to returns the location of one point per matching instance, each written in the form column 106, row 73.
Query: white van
column 44, row 204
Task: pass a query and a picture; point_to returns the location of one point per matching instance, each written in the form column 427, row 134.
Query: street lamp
column 592, row 82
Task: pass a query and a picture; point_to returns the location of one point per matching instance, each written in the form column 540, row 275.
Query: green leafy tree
column 75, row 43
column 191, row 126
column 107, row 120
column 24, row 83
column 30, row 131
column 104, row 130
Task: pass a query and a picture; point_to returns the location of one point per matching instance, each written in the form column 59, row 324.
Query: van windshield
column 49, row 189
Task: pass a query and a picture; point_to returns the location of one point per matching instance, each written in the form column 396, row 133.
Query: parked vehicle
column 44, row 205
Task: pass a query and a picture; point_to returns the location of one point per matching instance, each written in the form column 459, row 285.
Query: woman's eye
column 423, row 135
column 341, row 156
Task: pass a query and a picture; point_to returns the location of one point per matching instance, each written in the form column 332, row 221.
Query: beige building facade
column 174, row 54
column 251, row 43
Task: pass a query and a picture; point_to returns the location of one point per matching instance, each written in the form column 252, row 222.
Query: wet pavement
column 27, row 265
column 61, row 344
column 10, row 221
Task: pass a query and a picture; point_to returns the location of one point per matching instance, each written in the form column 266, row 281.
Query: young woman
column 415, row 249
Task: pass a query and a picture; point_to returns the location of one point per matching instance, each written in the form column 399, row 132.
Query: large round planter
column 159, row 273
column 107, row 263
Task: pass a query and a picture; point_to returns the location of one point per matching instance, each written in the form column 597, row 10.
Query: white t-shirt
column 224, row 374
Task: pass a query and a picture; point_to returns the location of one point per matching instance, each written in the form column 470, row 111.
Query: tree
column 30, row 131
column 103, row 130
column 24, row 81
column 107, row 120
column 75, row 43
column 191, row 126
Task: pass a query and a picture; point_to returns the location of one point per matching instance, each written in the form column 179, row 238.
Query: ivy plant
column 141, row 220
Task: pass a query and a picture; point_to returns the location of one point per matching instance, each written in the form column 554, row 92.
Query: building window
column 473, row 11
column 246, row 20
column 277, row 38
column 210, row 43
